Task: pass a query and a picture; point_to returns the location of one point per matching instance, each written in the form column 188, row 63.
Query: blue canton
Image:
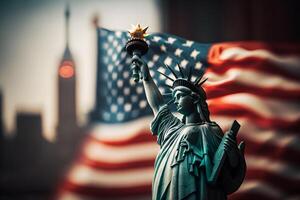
column 119, row 98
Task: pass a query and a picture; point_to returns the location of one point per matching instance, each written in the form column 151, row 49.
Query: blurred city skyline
column 33, row 41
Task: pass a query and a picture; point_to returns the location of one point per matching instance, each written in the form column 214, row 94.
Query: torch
column 136, row 45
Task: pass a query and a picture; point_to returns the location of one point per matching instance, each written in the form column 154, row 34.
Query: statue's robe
column 180, row 164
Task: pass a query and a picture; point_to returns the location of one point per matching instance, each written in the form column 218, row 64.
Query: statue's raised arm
column 153, row 95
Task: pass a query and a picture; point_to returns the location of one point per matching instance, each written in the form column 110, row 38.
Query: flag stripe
column 98, row 151
column 86, row 175
column 240, row 112
column 111, row 166
column 232, row 87
column 111, row 192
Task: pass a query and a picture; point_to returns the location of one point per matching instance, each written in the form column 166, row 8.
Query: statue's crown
column 184, row 79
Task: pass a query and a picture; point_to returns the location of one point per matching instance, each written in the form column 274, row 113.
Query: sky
column 32, row 42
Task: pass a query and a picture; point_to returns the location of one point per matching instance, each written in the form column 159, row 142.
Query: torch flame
column 138, row 32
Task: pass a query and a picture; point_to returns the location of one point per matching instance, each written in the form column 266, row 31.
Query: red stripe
column 277, row 48
column 254, row 64
column 101, row 192
column 290, row 186
column 107, row 166
column 140, row 137
column 251, row 195
column 272, row 151
column 237, row 111
column 233, row 87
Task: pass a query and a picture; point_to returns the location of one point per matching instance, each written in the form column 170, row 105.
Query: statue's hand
column 143, row 67
column 232, row 150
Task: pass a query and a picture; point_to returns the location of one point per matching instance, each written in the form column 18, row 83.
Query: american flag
column 253, row 82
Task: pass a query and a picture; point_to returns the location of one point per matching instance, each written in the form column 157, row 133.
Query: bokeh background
column 38, row 140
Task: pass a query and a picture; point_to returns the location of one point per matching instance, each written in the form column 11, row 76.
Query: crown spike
column 180, row 70
column 189, row 74
column 168, row 86
column 198, row 79
column 172, row 71
column 166, row 76
column 202, row 81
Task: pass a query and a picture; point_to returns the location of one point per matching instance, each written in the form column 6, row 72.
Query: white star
column 163, row 48
column 119, row 48
column 115, row 43
column 120, row 83
column 114, row 57
column 113, row 108
column 106, row 115
column 143, row 104
column 188, row 43
column 110, row 38
column 155, row 58
column 198, row 65
column 110, row 51
column 178, row 52
column 150, row 64
column 126, row 91
column 123, row 55
column 184, row 63
column 120, row 100
column 127, row 107
column 168, row 61
column 156, row 38
column 120, row 116
column 118, row 34
column 171, row 40
column 195, row 53
column 105, row 45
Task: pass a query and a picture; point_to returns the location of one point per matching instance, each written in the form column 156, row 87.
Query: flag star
column 109, row 52
column 115, row 43
column 118, row 34
column 106, row 116
column 120, row 116
column 195, row 53
column 150, row 64
column 127, row 107
column 114, row 57
column 168, row 61
column 110, row 38
column 113, row 108
column 105, row 45
column 184, row 63
column 171, row 40
column 119, row 48
column 198, row 65
column 143, row 104
column 163, row 48
column 156, row 38
column 123, row 55
column 155, row 58
column 188, row 43
column 178, row 52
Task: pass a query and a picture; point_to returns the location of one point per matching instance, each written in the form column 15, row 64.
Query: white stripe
column 260, row 188
column 279, row 168
column 266, row 107
column 251, row 132
column 252, row 78
column 130, row 153
column 288, row 63
column 121, row 131
column 83, row 175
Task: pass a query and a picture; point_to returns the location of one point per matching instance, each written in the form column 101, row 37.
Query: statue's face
column 185, row 104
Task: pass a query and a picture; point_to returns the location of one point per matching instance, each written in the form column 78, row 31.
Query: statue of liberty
column 196, row 160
